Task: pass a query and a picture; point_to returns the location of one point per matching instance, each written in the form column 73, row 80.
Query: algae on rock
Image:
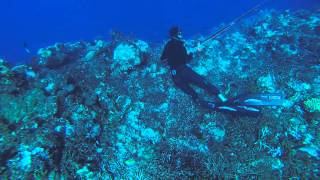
column 33, row 103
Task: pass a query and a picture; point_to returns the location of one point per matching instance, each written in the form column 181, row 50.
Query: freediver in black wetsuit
column 177, row 57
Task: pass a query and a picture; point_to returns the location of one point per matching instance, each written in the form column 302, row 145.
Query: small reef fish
column 26, row 48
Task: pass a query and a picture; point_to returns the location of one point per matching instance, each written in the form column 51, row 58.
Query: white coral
column 125, row 52
column 125, row 56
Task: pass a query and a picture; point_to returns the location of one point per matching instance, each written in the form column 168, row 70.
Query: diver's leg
column 185, row 87
column 199, row 81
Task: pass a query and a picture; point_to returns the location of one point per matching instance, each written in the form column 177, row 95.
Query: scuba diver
column 175, row 54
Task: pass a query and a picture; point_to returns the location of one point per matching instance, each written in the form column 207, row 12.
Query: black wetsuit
column 183, row 76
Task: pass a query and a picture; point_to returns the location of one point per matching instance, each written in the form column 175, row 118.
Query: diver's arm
column 197, row 49
column 164, row 55
column 188, row 57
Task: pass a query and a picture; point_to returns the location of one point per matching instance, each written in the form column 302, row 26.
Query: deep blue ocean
column 37, row 23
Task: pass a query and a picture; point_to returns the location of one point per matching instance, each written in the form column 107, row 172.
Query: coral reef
column 312, row 105
column 33, row 104
column 128, row 55
column 109, row 110
column 4, row 70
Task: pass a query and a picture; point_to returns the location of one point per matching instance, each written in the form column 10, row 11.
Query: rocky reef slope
column 92, row 110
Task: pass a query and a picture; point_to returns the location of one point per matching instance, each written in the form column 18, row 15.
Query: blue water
column 40, row 23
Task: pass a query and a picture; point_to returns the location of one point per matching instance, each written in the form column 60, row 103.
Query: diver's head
column 175, row 32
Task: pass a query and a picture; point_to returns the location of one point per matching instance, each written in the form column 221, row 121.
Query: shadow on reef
column 109, row 110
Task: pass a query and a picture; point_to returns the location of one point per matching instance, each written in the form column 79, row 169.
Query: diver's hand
column 196, row 49
column 199, row 47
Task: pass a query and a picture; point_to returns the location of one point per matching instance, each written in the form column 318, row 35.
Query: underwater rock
column 99, row 49
column 59, row 54
column 86, row 76
column 7, row 86
column 313, row 151
column 128, row 55
column 299, row 86
column 312, row 105
column 82, row 113
column 267, row 83
column 85, row 173
column 25, row 71
column 4, row 69
column 28, row 159
column 213, row 131
column 297, row 128
column 51, row 81
column 125, row 56
column 26, row 106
